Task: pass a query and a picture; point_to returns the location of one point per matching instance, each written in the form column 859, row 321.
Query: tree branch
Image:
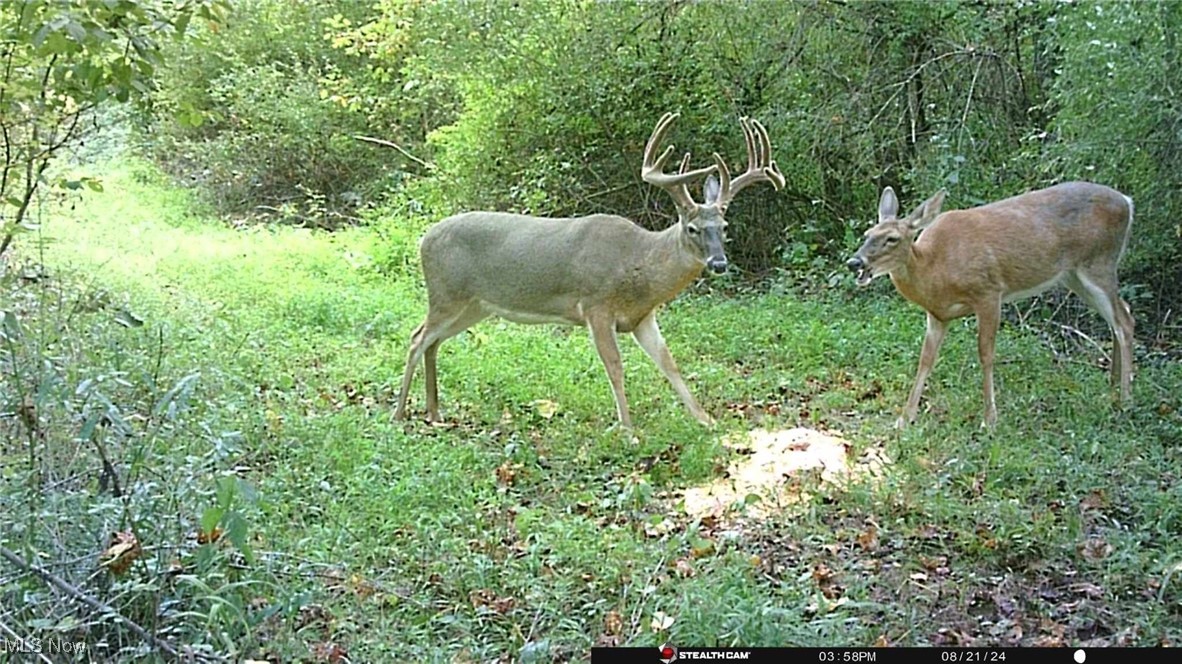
column 401, row 150
column 97, row 605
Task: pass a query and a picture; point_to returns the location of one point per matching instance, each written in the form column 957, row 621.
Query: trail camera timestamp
column 846, row 656
column 972, row 656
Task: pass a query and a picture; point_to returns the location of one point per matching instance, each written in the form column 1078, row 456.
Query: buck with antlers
column 601, row 271
column 970, row 261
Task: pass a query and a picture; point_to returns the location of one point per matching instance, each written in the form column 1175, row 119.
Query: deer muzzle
column 861, row 270
column 717, row 264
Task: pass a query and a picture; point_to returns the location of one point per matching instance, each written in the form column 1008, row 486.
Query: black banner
column 667, row 654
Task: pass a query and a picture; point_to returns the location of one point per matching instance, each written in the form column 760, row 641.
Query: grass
column 519, row 533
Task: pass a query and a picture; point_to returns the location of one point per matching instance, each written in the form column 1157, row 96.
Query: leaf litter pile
column 768, row 471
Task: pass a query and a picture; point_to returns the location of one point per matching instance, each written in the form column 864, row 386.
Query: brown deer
column 601, row 271
column 970, row 261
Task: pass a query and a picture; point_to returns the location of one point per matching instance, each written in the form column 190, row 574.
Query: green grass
column 508, row 530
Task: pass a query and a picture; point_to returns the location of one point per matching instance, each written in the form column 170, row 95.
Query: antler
column 653, row 174
column 760, row 166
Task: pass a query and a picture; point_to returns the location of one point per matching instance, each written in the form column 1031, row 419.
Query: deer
column 600, row 271
column 971, row 261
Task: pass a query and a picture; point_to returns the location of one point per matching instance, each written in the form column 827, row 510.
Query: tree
column 60, row 60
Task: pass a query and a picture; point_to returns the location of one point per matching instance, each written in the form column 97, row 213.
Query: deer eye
column 692, row 230
column 892, row 240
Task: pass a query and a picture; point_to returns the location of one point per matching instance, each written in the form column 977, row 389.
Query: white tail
column 970, row 261
column 601, row 271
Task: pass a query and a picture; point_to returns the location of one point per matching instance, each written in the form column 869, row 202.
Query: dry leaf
column 329, row 652
column 882, row 641
column 613, row 624
column 209, row 537
column 1095, row 500
column 868, row 540
column 661, row 621
column 1094, row 549
column 507, row 473
column 546, row 408
column 122, row 551
column 822, row 573
column 684, row 569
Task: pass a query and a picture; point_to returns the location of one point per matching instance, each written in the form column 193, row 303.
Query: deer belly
column 1033, row 290
column 527, row 317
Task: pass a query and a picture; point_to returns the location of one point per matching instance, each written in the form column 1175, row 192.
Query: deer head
column 888, row 244
column 703, row 225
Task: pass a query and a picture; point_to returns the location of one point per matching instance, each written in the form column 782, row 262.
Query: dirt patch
column 769, row 465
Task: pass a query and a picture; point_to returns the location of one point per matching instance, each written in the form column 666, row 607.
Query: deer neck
column 908, row 277
column 681, row 262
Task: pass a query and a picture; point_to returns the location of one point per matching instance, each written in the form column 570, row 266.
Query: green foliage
column 532, row 530
column 1118, row 122
column 61, row 60
column 544, row 107
column 245, row 111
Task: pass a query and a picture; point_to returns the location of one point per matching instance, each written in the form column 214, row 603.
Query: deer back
column 536, row 269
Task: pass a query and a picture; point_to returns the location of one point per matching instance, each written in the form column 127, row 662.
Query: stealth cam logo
column 668, row 654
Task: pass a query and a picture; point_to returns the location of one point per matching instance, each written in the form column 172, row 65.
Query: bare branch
column 97, row 605
column 399, row 148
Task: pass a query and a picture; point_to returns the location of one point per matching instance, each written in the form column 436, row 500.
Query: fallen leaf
column 613, row 624
column 822, row 573
column 123, row 550
column 210, row 537
column 882, row 641
column 1094, row 549
column 661, row 621
column 507, row 473
column 329, row 652
column 868, row 539
column 1095, row 500
column 546, row 408
column 684, row 569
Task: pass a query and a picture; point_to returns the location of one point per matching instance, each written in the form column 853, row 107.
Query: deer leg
column 927, row 357
column 424, row 343
column 603, row 333
column 1101, row 294
column 648, row 335
column 412, row 360
column 988, row 320
column 430, row 379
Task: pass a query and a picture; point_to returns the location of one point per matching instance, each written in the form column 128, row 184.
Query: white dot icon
column 1080, row 656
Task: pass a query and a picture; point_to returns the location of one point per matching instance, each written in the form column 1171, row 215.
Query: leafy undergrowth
column 197, row 431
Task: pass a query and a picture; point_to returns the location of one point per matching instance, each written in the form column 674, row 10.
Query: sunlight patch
column 765, row 476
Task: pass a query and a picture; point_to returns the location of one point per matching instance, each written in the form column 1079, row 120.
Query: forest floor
column 224, row 395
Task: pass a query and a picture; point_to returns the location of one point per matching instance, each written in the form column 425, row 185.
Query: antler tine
column 658, row 136
column 752, row 146
column 760, row 166
column 724, row 175
column 653, row 173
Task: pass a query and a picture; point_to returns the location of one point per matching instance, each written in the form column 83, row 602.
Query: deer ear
column 888, row 205
column 926, row 213
column 711, row 189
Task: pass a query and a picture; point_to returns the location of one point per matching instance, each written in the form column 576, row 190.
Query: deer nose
column 717, row 265
column 854, row 264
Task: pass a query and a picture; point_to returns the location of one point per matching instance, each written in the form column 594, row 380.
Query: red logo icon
column 668, row 654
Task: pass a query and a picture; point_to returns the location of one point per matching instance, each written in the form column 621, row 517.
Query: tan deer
column 970, row 261
column 601, row 271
